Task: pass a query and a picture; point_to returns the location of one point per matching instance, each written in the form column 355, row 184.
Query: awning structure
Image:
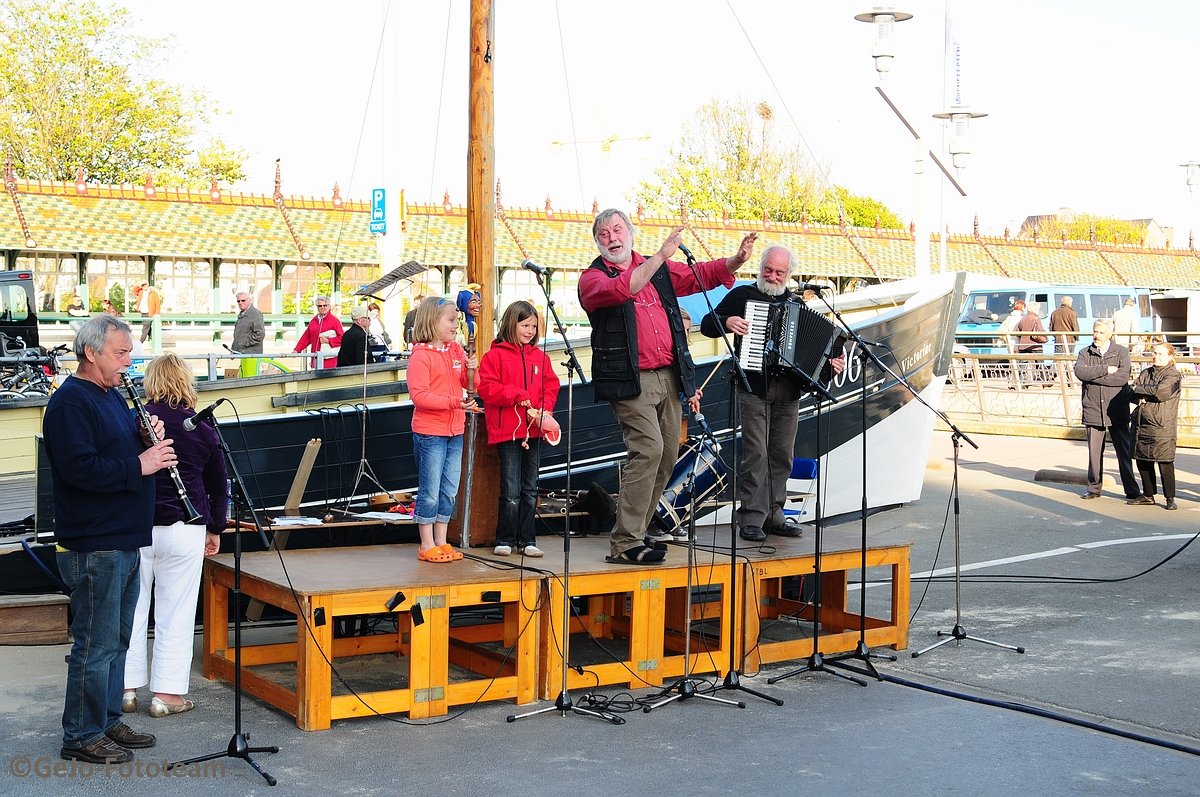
column 405, row 272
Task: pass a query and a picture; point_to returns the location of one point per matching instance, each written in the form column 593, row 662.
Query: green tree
column 79, row 92
column 731, row 159
column 1081, row 226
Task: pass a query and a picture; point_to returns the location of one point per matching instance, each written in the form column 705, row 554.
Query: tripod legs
column 958, row 634
column 817, row 663
column 239, row 747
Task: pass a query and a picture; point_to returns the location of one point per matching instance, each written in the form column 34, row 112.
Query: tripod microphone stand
column 738, row 380
column 239, row 743
column 563, row 703
column 958, row 633
column 816, row 662
column 685, row 687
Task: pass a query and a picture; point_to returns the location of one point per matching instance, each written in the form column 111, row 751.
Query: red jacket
column 436, row 378
column 311, row 337
column 509, row 374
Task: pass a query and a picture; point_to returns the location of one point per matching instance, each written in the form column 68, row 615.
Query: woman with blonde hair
column 171, row 564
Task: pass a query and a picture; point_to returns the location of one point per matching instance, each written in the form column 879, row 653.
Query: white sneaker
column 502, row 550
column 532, row 551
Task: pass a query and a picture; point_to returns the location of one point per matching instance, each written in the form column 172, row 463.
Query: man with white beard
column 770, row 411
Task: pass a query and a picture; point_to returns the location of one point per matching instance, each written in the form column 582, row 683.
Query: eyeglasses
column 322, row 305
column 242, row 301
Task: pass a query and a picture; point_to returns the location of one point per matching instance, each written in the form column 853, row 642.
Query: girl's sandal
column 434, row 554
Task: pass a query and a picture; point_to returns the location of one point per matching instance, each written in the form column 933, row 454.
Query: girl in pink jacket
column 437, row 374
column 518, row 386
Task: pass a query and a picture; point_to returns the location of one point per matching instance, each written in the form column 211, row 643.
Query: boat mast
column 481, row 170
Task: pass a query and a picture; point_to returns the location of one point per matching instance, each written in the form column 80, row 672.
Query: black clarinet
column 189, row 511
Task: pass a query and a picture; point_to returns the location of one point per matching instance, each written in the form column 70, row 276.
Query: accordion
column 787, row 337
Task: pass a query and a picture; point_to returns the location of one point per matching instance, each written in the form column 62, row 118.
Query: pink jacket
column 311, row 337
column 437, row 376
column 509, row 374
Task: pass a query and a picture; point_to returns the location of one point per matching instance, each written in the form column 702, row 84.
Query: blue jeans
column 518, row 492
column 439, row 464
column 104, row 591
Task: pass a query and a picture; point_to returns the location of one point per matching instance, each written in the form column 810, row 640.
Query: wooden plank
column 314, row 638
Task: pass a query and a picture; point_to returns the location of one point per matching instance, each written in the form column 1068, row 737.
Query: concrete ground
column 1106, row 615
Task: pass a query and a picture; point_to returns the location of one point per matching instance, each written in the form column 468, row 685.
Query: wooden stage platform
column 490, row 628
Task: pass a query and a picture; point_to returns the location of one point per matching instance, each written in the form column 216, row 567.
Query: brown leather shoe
column 100, row 750
column 125, row 736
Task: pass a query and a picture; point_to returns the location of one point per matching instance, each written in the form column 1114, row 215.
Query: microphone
column 708, row 432
column 529, row 265
column 687, row 253
column 814, row 287
column 191, row 423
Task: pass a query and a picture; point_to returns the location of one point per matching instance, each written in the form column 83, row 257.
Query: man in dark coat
column 1064, row 320
column 1103, row 368
column 356, row 342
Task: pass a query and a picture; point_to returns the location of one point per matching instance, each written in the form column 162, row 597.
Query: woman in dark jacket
column 1156, row 392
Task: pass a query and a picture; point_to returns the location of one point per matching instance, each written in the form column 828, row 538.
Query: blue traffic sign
column 378, row 212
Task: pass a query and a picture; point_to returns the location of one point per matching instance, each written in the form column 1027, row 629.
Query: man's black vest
column 615, row 372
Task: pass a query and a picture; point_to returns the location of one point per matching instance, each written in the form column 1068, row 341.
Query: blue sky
column 1091, row 105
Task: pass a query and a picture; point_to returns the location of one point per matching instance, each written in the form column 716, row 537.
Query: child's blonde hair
column 425, row 322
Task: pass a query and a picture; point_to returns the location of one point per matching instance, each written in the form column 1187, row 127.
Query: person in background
column 1103, row 370
column 103, row 466
column 149, row 304
column 172, row 562
column 250, row 331
column 519, row 387
column 770, row 411
column 1031, row 340
column 1125, row 322
column 322, row 335
column 641, row 363
column 437, row 376
column 356, row 344
column 111, row 309
column 76, row 308
column 1064, row 328
column 1065, row 320
column 410, row 318
column 379, row 335
column 1156, row 392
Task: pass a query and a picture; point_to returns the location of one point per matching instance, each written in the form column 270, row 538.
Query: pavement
column 1101, row 596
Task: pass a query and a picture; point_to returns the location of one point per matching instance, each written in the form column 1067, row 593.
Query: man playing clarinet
column 103, row 464
column 770, row 411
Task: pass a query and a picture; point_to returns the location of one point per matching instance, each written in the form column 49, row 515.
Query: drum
column 697, row 453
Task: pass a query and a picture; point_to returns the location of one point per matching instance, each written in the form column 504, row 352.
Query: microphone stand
column 239, row 743
column 685, row 687
column 816, row 662
column 739, row 381
column 563, row 703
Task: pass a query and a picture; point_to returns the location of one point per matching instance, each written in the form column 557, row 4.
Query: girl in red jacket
column 518, row 386
column 437, row 374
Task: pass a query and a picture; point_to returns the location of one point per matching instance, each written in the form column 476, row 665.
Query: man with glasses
column 323, row 336
column 249, row 331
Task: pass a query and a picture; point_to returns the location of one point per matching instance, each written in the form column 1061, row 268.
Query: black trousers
column 1122, row 448
column 1167, row 469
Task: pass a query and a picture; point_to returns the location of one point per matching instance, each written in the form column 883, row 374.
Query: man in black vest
column 641, row 363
